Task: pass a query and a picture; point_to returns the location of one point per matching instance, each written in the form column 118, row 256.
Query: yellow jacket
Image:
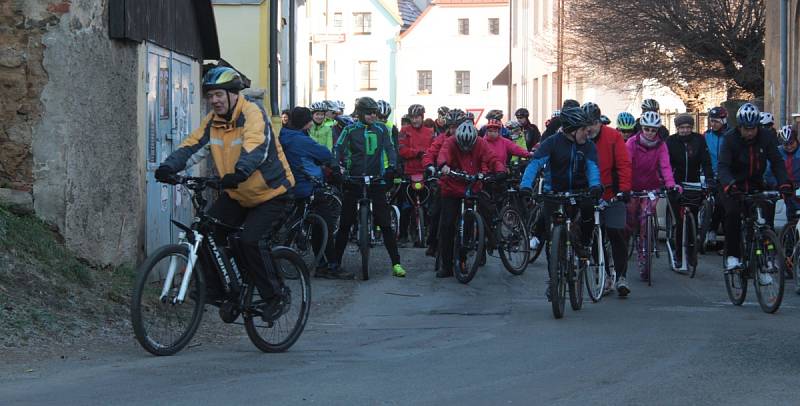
column 245, row 144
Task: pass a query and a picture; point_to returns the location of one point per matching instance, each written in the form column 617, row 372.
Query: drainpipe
column 274, row 83
column 510, row 66
column 292, row 52
column 784, row 60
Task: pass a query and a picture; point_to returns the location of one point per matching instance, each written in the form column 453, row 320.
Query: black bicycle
column 763, row 260
column 306, row 232
column 170, row 292
column 469, row 243
column 510, row 226
column 566, row 270
column 684, row 243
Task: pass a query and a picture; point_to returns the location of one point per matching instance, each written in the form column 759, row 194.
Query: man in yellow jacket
column 255, row 177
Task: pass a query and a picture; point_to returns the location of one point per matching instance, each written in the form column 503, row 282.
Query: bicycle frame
column 683, row 212
column 756, row 224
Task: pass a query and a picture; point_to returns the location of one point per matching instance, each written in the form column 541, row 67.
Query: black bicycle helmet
column 650, row 105
column 494, row 115
column 443, row 110
column 522, row 112
column 573, row 118
column 416, row 110
column 455, row 117
column 366, row 105
column 570, row 103
column 592, row 111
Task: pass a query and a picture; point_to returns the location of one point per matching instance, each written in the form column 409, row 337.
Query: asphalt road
column 421, row 340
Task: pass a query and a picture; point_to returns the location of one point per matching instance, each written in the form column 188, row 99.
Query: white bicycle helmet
column 748, row 116
column 650, row 119
column 767, row 118
column 785, row 134
column 384, row 108
column 466, row 136
column 319, row 106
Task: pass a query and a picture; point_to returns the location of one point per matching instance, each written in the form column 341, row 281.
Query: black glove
column 596, row 192
column 624, row 197
column 499, row 177
column 165, row 174
column 787, row 191
column 430, row 171
column 420, row 154
column 232, row 180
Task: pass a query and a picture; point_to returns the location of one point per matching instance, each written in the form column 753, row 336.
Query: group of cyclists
column 265, row 175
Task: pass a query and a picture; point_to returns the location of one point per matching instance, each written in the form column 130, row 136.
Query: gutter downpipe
column 784, row 60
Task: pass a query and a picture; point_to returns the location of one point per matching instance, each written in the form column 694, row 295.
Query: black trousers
column 329, row 212
column 380, row 216
column 450, row 209
column 719, row 212
column 257, row 223
column 734, row 207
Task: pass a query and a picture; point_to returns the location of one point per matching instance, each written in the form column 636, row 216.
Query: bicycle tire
column 140, row 308
column 770, row 262
column 305, row 248
column 364, row 240
column 649, row 249
column 511, row 219
column 735, row 284
column 788, row 238
column 691, row 243
column 419, row 233
column 671, row 241
column 575, row 278
column 555, row 268
column 296, row 321
column 533, row 219
column 596, row 272
column 704, row 222
column 464, row 244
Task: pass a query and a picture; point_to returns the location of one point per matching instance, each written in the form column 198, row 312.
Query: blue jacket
column 714, row 143
column 305, row 157
column 570, row 167
column 792, row 164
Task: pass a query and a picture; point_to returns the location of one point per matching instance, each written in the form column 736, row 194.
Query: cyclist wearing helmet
column 532, row 133
column 626, row 124
column 688, row 157
column 604, row 120
column 384, row 111
column 331, row 110
column 256, row 177
column 465, row 152
column 787, row 136
column 362, row 149
column 415, row 139
column 440, row 126
column 555, row 121
column 652, row 105
column 651, row 170
column 742, row 162
column 493, row 115
column 768, row 121
column 431, row 160
column 515, row 133
column 502, row 148
column 615, row 175
column 570, row 163
column 321, row 129
column 718, row 126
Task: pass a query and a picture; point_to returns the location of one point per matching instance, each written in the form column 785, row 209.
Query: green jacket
column 322, row 134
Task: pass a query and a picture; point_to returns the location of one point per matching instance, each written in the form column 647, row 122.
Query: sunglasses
column 650, row 129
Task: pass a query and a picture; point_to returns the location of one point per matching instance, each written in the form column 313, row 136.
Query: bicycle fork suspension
column 187, row 275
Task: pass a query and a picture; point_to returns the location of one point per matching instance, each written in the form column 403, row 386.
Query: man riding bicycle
column 468, row 153
column 571, row 162
column 361, row 150
column 255, row 174
column 415, row 139
column 742, row 162
column 718, row 126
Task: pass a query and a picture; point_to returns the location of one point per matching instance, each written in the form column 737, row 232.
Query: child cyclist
column 651, row 170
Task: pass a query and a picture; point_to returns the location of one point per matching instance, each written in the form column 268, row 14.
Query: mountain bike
column 417, row 193
column 647, row 243
column 469, row 243
column 685, row 241
column 763, row 254
column 534, row 216
column 306, row 232
column 601, row 260
column 565, row 270
column 169, row 295
column 510, row 228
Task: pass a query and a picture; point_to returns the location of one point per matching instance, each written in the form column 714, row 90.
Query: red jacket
column 614, row 162
column 480, row 160
column 414, row 142
column 431, row 156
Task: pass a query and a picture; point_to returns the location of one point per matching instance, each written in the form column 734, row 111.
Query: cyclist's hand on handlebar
column 232, row 180
column 165, row 174
column 445, row 170
column 389, row 175
column 711, row 184
column 499, row 177
column 430, row 171
column 624, row 197
column 677, row 189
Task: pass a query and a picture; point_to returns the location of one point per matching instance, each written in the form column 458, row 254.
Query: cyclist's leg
column 614, row 220
column 348, row 217
column 434, row 210
column 486, row 208
column 732, row 226
column 447, row 231
column 329, row 213
column 719, row 212
column 677, row 231
column 230, row 212
column 405, row 210
column 258, row 223
column 586, row 225
column 382, row 218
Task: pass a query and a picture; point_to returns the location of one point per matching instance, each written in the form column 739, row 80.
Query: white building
column 451, row 55
column 534, row 79
column 353, row 50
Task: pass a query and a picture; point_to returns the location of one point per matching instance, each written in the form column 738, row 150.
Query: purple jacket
column 649, row 166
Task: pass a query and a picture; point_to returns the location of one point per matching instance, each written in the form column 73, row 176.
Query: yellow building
column 772, row 58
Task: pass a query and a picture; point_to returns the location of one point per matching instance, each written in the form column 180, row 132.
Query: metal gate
column 170, row 92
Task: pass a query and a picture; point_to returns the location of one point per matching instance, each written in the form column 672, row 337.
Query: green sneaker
column 398, row 271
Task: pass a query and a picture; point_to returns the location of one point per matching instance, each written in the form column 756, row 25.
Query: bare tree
column 687, row 45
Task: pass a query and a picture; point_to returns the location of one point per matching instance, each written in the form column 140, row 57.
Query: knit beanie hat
column 299, row 117
column 684, row 118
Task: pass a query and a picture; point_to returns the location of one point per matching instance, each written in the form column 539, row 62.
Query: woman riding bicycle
column 688, row 155
column 651, row 170
column 788, row 137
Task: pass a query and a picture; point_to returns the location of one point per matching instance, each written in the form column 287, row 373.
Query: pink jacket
column 649, row 166
column 503, row 148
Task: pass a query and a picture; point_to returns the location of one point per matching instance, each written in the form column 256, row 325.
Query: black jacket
column 532, row 135
column 743, row 164
column 552, row 128
column 687, row 156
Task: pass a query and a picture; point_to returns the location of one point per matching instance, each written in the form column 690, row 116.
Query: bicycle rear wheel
column 557, row 267
column 596, row 272
column 161, row 326
column 313, row 228
column 576, row 269
column 280, row 334
column 691, row 243
column 768, row 279
column 649, row 247
column 703, row 224
column 672, row 242
column 788, row 238
column 513, row 241
column 419, row 233
column 468, row 245
column 364, row 227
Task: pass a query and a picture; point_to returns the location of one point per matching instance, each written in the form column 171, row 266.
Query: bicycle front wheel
column 557, row 267
column 469, row 245
column 535, row 217
column 649, row 248
column 596, row 272
column 280, row 334
column 691, row 243
column 514, row 246
column 769, row 275
column 163, row 326
column 364, row 238
column 576, row 270
column 313, row 229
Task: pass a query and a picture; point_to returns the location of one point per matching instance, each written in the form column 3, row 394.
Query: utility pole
column 560, row 52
